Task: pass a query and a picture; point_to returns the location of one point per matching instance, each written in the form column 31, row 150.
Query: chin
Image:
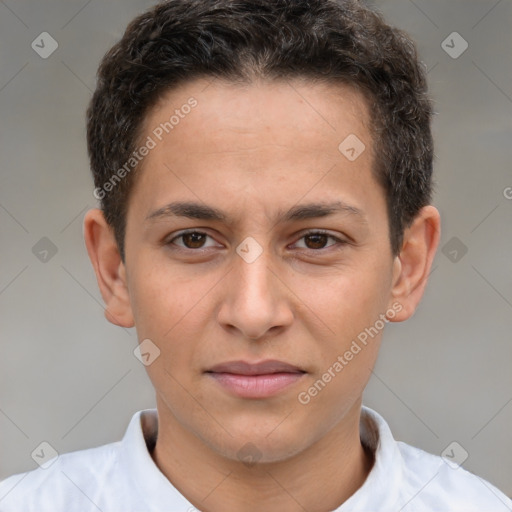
column 255, row 444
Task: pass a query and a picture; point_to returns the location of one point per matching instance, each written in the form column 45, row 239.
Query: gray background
column 70, row 378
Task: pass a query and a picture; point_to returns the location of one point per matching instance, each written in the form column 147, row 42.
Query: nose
column 256, row 301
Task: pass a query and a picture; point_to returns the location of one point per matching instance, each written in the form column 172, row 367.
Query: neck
column 318, row 479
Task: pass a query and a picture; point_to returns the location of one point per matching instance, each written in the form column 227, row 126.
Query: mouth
column 255, row 380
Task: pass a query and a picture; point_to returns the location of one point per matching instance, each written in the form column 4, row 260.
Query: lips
column 262, row 368
column 255, row 380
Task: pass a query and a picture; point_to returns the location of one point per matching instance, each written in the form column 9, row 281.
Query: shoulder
column 67, row 479
column 446, row 486
column 410, row 479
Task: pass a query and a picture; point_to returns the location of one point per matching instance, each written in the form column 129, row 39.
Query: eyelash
column 338, row 241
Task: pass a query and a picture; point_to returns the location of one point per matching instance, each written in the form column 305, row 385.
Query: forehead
column 298, row 110
column 263, row 141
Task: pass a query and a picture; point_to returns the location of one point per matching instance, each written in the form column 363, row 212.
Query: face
column 281, row 254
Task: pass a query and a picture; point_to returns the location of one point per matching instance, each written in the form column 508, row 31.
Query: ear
column 110, row 270
column 411, row 267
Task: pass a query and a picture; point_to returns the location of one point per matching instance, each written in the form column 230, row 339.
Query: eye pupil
column 319, row 240
column 193, row 240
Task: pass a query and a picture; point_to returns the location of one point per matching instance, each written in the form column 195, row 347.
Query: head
column 335, row 42
column 301, row 131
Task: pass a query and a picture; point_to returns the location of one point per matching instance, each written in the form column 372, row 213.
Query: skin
column 253, row 151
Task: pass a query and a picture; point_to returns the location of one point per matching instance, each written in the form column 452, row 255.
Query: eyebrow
column 200, row 211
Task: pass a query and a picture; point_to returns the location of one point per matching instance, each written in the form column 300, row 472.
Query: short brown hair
column 330, row 40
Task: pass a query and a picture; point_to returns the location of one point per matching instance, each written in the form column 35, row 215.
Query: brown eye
column 193, row 240
column 316, row 240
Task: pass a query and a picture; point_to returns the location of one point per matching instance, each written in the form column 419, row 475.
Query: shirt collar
column 380, row 490
column 152, row 485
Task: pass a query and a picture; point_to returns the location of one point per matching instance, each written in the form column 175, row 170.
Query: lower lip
column 256, row 386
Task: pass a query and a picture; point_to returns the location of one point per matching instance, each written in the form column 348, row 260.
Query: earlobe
column 108, row 267
column 411, row 267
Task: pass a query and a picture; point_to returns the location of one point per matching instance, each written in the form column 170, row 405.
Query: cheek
column 164, row 310
column 347, row 303
column 161, row 300
column 172, row 312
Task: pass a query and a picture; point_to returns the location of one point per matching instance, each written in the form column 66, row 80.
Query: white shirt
column 122, row 477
